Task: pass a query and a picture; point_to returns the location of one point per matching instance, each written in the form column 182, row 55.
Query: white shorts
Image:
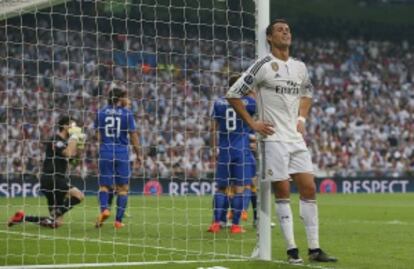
column 281, row 159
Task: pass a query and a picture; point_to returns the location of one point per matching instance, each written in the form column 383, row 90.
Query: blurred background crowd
column 361, row 122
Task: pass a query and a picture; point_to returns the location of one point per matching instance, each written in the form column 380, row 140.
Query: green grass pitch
column 362, row 230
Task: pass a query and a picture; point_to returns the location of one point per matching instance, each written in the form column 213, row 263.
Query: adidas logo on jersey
column 277, row 75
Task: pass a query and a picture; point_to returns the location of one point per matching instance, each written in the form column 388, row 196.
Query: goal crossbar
column 12, row 8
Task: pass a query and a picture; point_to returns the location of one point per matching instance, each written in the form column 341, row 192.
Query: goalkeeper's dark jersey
column 55, row 162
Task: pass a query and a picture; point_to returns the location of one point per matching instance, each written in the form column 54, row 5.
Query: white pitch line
column 88, row 240
column 49, row 237
column 113, row 264
column 371, row 222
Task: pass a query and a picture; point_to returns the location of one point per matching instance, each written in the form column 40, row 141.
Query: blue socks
column 103, row 197
column 121, row 203
column 225, row 208
column 220, row 200
column 246, row 198
column 237, row 205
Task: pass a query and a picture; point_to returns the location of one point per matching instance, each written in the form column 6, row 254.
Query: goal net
column 174, row 58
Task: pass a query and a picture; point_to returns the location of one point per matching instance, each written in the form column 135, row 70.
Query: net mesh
column 174, row 57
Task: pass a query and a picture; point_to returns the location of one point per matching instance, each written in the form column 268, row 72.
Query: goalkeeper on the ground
column 54, row 184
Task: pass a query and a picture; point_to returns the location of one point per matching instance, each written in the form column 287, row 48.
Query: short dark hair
column 233, row 79
column 115, row 94
column 63, row 120
column 269, row 28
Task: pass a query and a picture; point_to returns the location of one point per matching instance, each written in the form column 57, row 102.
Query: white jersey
column 280, row 86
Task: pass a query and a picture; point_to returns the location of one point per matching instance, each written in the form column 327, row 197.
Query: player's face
column 126, row 102
column 66, row 127
column 281, row 36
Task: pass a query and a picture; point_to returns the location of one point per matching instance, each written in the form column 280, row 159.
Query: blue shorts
column 114, row 168
column 235, row 167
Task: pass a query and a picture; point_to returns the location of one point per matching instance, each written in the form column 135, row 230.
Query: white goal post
column 263, row 250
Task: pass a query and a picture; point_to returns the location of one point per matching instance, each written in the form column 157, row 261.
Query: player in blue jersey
column 249, row 195
column 250, row 191
column 236, row 165
column 116, row 129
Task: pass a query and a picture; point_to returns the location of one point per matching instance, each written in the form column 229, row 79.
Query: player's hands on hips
column 263, row 128
column 300, row 127
column 138, row 161
column 253, row 144
column 252, row 138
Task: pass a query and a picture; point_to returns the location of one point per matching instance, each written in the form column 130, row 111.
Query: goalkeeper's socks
column 68, row 204
column 237, row 205
column 246, row 198
column 219, row 205
column 103, row 197
column 35, row 219
column 308, row 211
column 284, row 214
column 121, row 202
column 253, row 198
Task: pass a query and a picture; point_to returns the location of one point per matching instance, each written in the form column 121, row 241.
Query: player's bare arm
column 98, row 138
column 264, row 128
column 304, row 107
column 134, row 139
column 305, row 103
column 70, row 150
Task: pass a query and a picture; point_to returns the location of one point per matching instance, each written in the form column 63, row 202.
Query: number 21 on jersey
column 112, row 126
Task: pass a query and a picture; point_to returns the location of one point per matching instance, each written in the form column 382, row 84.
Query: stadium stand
column 361, row 124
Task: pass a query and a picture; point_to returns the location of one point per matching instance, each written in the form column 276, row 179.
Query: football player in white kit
column 284, row 98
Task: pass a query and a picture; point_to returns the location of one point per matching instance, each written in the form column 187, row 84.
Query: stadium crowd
column 361, row 121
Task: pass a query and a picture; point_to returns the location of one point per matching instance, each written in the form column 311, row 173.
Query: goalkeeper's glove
column 81, row 141
column 74, row 162
column 75, row 133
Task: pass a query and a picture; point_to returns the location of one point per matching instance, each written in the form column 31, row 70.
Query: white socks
column 284, row 214
column 308, row 210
